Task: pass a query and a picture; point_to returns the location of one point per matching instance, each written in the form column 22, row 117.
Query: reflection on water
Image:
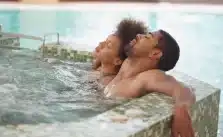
column 33, row 91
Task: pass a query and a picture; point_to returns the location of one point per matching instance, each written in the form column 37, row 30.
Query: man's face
column 144, row 45
column 110, row 51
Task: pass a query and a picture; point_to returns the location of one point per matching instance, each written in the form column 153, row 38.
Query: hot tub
column 45, row 98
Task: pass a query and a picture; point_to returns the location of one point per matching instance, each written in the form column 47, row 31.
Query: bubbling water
column 34, row 90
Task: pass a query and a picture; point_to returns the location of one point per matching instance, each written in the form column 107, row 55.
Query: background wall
column 39, row 1
column 194, row 1
column 172, row 1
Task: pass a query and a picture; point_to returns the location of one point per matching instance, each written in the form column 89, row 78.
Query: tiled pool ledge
column 153, row 118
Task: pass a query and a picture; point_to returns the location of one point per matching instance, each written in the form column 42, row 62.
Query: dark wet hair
column 170, row 50
column 127, row 30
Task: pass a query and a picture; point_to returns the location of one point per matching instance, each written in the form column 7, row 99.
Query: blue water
column 199, row 35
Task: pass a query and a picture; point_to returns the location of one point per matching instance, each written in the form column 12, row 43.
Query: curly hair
column 127, row 30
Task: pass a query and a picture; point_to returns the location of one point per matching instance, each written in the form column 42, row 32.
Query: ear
column 117, row 62
column 155, row 54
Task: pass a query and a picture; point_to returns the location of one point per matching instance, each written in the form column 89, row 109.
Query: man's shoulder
column 153, row 75
column 152, row 72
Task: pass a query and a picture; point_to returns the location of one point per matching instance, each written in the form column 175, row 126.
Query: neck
column 108, row 70
column 133, row 66
column 107, row 73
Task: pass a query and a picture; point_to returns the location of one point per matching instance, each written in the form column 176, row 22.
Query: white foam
column 10, row 87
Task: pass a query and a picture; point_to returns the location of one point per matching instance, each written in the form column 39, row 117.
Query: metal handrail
column 12, row 47
column 3, row 38
column 19, row 35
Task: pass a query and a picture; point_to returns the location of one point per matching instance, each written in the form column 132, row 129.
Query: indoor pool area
column 40, row 92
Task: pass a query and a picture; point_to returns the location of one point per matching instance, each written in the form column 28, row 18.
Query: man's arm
column 158, row 81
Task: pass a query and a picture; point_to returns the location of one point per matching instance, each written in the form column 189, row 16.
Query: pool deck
column 148, row 116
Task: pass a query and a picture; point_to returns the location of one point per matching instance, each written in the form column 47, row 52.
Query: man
column 112, row 49
column 149, row 56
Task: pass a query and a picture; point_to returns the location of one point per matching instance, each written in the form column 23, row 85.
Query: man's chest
column 127, row 88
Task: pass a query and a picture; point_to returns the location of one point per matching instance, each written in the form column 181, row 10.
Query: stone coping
column 148, row 116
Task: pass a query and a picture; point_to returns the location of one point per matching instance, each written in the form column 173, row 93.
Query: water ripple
column 36, row 91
